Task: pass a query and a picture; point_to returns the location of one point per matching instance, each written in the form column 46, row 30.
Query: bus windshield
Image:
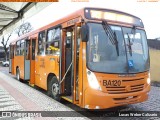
column 132, row 50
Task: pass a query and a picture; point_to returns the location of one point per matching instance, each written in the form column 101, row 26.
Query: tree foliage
column 24, row 28
column 5, row 43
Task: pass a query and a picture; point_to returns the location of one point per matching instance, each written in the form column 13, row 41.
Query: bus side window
column 33, row 49
column 78, row 39
column 41, row 43
column 22, row 47
column 27, row 50
column 17, row 48
column 53, row 38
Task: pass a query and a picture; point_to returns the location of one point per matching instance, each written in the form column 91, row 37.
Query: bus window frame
column 27, row 49
column 21, row 48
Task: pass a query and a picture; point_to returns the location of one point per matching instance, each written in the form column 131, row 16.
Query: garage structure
column 12, row 14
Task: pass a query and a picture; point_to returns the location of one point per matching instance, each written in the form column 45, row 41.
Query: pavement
column 17, row 96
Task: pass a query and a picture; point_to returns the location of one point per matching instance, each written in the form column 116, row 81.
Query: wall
column 155, row 64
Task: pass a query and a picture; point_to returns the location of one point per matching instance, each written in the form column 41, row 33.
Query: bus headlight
column 92, row 80
column 148, row 79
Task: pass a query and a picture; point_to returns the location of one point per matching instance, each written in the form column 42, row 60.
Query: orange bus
column 95, row 58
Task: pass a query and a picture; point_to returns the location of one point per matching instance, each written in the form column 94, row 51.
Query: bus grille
column 125, row 89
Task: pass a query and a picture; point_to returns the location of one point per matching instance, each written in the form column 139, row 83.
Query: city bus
column 95, row 58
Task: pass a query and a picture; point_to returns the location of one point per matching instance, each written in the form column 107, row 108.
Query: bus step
column 68, row 98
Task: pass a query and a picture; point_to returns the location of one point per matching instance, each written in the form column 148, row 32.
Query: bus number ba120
column 112, row 83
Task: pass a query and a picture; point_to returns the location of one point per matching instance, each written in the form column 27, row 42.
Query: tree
column 4, row 43
column 24, row 28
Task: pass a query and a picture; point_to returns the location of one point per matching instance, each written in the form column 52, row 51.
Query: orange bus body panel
column 32, row 72
column 44, row 66
column 137, row 89
column 12, row 69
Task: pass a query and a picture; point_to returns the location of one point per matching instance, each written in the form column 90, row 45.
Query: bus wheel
column 53, row 88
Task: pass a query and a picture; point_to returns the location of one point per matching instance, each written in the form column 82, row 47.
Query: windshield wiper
column 129, row 45
column 111, row 35
column 116, row 43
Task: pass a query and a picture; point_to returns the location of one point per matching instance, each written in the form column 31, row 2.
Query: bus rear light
column 92, row 80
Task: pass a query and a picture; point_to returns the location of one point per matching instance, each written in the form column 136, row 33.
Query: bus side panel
column 51, row 66
column 19, row 62
column 81, row 76
column 12, row 69
column 42, row 72
column 32, row 72
column 37, row 69
column 45, row 66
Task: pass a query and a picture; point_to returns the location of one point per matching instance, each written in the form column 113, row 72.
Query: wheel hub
column 55, row 89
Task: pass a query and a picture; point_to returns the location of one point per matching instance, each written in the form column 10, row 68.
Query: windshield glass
column 129, row 56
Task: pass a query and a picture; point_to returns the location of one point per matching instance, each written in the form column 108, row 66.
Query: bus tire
column 53, row 88
column 18, row 75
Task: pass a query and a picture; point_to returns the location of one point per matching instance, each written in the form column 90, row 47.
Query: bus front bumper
column 95, row 99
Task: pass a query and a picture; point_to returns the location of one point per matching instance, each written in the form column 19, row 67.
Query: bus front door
column 69, row 63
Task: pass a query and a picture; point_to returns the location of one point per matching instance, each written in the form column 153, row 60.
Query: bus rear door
column 27, row 60
column 32, row 61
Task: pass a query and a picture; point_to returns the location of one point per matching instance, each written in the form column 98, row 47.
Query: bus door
column 32, row 61
column 11, row 59
column 27, row 60
column 69, row 61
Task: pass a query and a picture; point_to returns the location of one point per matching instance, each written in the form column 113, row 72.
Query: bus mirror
column 84, row 33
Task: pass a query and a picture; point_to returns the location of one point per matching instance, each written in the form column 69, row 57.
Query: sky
column 147, row 11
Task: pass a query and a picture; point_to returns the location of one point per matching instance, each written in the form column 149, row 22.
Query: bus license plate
column 113, row 83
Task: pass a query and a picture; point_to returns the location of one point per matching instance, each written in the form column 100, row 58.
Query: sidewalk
column 17, row 96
